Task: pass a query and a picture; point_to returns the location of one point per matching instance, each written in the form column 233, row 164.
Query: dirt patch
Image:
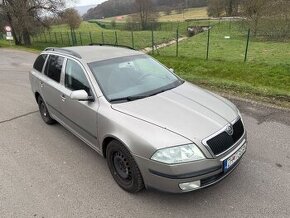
column 162, row 45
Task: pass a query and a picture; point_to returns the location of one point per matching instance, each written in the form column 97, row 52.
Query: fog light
column 189, row 186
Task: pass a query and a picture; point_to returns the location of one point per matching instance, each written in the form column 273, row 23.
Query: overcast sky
column 86, row 2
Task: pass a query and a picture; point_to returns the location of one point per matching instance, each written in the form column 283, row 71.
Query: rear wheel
column 124, row 168
column 44, row 112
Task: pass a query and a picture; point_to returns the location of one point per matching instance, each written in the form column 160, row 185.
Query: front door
column 81, row 116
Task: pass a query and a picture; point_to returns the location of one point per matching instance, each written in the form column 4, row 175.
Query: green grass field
column 271, row 81
column 232, row 49
column 266, row 73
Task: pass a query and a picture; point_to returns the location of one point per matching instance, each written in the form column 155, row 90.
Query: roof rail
column 114, row 45
column 62, row 50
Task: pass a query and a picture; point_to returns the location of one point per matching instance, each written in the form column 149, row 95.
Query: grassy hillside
column 84, row 27
column 191, row 13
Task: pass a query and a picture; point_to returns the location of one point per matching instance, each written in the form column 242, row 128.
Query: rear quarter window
column 39, row 62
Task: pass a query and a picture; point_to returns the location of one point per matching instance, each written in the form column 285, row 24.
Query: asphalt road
column 45, row 171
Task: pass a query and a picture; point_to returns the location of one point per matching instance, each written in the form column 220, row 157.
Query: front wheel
column 124, row 168
column 44, row 112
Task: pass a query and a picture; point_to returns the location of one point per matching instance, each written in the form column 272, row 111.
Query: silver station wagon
column 155, row 129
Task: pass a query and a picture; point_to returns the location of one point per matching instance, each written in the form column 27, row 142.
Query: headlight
column 178, row 154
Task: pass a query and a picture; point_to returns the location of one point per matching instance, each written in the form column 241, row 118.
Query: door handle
column 63, row 98
column 41, row 84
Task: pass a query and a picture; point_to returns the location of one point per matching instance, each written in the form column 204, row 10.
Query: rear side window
column 39, row 62
column 53, row 67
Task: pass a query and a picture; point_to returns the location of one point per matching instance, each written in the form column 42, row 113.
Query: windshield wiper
column 136, row 97
column 129, row 98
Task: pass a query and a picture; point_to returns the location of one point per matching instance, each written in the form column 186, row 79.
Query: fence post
column 49, row 37
column 152, row 33
column 91, row 37
column 132, row 36
column 81, row 39
column 68, row 38
column 73, row 37
column 45, row 37
column 61, row 38
column 103, row 38
column 208, row 43
column 247, row 45
column 116, row 37
column 177, row 42
column 55, row 37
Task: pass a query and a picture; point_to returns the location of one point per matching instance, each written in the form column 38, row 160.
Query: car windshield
column 133, row 77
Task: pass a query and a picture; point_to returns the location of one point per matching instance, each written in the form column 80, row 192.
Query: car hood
column 186, row 110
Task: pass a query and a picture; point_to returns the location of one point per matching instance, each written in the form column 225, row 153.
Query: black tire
column 44, row 112
column 124, row 168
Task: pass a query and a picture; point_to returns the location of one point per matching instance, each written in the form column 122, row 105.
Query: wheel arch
column 36, row 95
column 106, row 141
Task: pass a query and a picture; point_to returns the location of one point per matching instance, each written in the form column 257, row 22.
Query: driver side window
column 75, row 78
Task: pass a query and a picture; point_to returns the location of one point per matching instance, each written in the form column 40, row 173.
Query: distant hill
column 83, row 9
column 113, row 8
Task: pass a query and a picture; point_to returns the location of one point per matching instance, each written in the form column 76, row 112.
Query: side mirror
column 171, row 70
column 80, row 95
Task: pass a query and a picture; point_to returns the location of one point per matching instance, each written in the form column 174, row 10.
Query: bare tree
column 145, row 8
column 231, row 7
column 24, row 15
column 254, row 10
column 215, row 8
column 72, row 18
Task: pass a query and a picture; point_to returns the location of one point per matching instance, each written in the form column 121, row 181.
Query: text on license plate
column 234, row 158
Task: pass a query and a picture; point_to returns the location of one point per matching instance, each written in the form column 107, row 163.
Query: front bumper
column 167, row 178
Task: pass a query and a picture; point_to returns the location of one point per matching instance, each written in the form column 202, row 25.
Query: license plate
column 228, row 163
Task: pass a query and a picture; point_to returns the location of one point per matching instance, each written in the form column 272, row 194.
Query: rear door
column 51, row 87
column 36, row 75
column 81, row 116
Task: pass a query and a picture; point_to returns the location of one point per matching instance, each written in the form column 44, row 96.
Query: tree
column 254, row 10
column 231, row 7
column 145, row 8
column 180, row 6
column 271, row 18
column 71, row 17
column 3, row 20
column 24, row 16
column 113, row 23
column 215, row 8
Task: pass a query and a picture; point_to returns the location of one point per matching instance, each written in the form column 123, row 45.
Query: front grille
column 224, row 141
